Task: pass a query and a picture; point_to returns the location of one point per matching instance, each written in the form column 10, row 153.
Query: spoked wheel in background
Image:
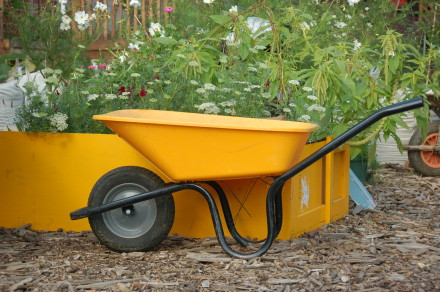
column 426, row 162
column 138, row 227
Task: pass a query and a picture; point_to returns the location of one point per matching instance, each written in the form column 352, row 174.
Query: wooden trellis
column 134, row 17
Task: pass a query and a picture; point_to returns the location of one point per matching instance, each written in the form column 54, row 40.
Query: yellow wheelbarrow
column 132, row 209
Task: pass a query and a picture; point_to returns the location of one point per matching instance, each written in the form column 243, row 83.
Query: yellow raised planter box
column 46, row 176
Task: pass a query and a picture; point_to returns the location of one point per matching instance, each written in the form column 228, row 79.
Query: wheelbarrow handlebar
column 344, row 137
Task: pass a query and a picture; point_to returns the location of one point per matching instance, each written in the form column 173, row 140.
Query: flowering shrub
column 314, row 62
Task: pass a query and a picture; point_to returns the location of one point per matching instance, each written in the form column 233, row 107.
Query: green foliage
column 324, row 62
column 43, row 41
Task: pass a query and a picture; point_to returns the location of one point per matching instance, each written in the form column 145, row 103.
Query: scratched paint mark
column 305, row 193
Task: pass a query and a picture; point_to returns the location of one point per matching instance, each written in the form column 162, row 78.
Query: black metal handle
column 344, row 137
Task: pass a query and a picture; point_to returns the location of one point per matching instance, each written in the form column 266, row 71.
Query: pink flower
column 169, row 9
column 91, row 67
column 101, row 66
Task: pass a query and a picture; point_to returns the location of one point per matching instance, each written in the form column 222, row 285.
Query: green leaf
column 394, row 63
column 243, row 50
column 220, row 19
column 350, row 85
column 355, row 151
column 339, row 129
column 165, row 41
column 341, row 66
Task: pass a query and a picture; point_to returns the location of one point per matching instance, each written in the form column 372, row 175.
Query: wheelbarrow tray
column 194, row 147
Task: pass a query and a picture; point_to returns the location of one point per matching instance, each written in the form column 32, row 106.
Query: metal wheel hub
column 132, row 221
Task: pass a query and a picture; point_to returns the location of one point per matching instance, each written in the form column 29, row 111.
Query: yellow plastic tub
column 191, row 146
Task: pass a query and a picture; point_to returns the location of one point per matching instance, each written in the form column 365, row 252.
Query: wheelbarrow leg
column 230, row 222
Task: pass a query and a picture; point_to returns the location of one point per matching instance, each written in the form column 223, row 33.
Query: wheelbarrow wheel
column 138, row 227
column 425, row 162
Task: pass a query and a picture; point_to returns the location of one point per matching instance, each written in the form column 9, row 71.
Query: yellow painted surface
column 43, row 177
column 194, row 147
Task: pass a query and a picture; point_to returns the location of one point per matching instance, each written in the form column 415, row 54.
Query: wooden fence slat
column 113, row 9
column 143, row 13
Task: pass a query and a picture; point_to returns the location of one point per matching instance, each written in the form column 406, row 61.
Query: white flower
column 208, row 1
column 193, row 82
column 110, row 96
column 247, row 89
column 81, row 17
column 135, row 3
column 83, row 26
column 167, row 82
column 287, row 110
column 209, row 86
column 230, row 103
column 252, row 69
column 308, row 89
column 66, row 19
column 357, row 45
column 266, row 95
column 369, row 24
column 122, row 58
column 135, row 75
column 63, row 9
column 62, row 1
column 59, row 121
column 134, row 46
column 193, row 63
column 340, row 24
column 260, row 48
column 201, row 90
column 315, row 107
column 304, row 118
column 181, row 56
column 209, row 108
column 352, row 2
column 391, row 53
column 92, row 97
column 64, row 26
column 123, row 96
column 255, row 86
column 234, row 9
column 304, row 26
column 262, row 65
column 293, row 82
column 100, row 6
column 312, row 97
column 126, row 93
column 156, row 28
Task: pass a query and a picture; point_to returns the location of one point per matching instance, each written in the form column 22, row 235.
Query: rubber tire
column 163, row 220
column 415, row 158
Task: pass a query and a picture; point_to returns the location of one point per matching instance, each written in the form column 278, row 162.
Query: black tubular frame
column 273, row 198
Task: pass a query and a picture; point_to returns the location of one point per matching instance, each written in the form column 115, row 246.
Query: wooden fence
column 134, row 17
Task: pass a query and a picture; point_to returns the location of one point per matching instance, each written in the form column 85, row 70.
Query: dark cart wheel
column 426, row 162
column 138, row 227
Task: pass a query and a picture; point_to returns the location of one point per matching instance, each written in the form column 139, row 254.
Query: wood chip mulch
column 395, row 247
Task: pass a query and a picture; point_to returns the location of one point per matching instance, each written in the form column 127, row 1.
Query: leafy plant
column 327, row 62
